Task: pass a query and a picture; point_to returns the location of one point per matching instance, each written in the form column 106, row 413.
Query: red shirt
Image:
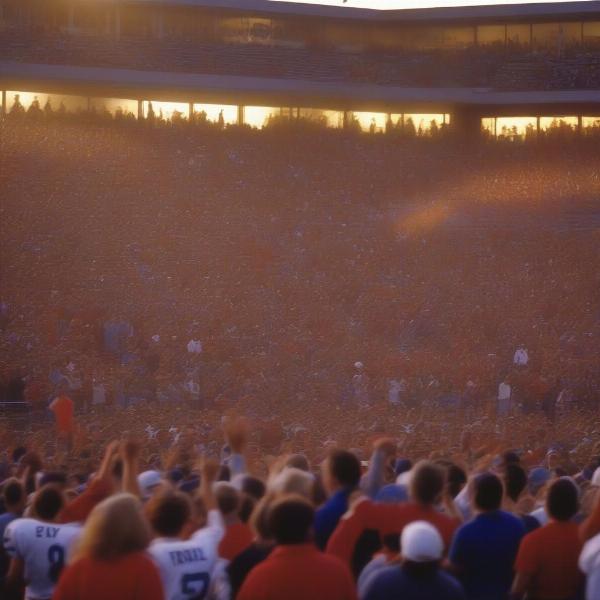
column 550, row 555
column 299, row 572
column 78, row 509
column 62, row 407
column 386, row 518
column 131, row 577
column 237, row 538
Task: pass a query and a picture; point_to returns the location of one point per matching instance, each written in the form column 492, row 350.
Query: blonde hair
column 293, row 481
column 115, row 527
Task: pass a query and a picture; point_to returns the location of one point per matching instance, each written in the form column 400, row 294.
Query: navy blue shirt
column 484, row 550
column 393, row 583
column 328, row 516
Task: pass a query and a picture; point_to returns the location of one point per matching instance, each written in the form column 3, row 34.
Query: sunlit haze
column 391, row 4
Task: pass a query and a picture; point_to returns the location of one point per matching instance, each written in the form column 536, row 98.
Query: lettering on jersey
column 46, row 532
column 181, row 557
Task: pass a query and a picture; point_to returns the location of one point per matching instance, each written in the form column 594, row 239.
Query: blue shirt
column 5, row 519
column 393, row 583
column 328, row 516
column 485, row 550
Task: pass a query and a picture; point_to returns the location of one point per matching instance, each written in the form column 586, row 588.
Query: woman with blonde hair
column 110, row 559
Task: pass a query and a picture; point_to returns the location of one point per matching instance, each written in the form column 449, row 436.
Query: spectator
column 546, row 565
column 341, row 475
column 110, row 561
column 484, row 550
column 284, row 573
column 419, row 576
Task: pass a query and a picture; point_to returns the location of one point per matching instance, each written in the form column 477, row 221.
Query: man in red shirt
column 296, row 569
column 546, row 564
column 62, row 407
column 426, row 492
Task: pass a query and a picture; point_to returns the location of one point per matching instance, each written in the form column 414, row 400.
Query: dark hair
column 224, row 473
column 253, row 487
column 48, row 502
column 344, row 466
column 168, row 512
column 510, row 458
column 290, row 519
column 12, row 492
column 488, row 491
column 247, row 504
column 515, row 481
column 562, row 501
column 456, row 478
column 427, row 482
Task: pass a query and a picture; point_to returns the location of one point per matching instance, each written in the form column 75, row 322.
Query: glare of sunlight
column 212, row 111
column 167, row 110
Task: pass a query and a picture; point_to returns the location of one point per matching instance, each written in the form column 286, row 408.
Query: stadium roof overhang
column 222, row 89
column 269, row 8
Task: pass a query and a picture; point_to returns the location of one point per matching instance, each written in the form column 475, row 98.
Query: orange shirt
column 299, row 572
column 238, row 537
column 550, row 555
column 386, row 518
column 131, row 577
column 62, row 407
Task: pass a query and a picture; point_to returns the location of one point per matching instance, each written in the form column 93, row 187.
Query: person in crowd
column 14, row 499
column 111, row 560
column 547, row 562
column 589, row 564
column 258, row 550
column 341, row 476
column 62, row 407
column 237, row 535
column 39, row 545
column 418, row 575
column 427, row 490
column 296, row 569
column 188, row 566
column 483, row 550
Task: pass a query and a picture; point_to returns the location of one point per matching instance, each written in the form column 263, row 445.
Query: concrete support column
column 579, row 124
column 191, row 112
column 537, row 125
column 4, row 106
column 140, row 110
column 240, row 115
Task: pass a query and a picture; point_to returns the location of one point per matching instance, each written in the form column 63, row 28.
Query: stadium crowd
column 409, row 327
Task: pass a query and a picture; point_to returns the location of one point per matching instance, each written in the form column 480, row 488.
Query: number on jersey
column 195, row 585
column 56, row 558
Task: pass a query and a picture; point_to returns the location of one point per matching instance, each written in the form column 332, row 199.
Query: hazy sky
column 382, row 4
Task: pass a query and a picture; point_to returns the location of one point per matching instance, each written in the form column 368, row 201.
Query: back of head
column 293, row 481
column 115, row 527
column 254, row 487
column 515, row 481
column 290, row 520
column 487, row 492
column 562, row 501
column 48, row 502
column 13, row 494
column 168, row 512
column 298, row 461
column 344, row 468
column 259, row 519
column 427, row 482
column 227, row 497
column 457, row 479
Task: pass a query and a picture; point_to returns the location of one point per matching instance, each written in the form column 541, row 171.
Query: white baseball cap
column 147, row 481
column 421, row 542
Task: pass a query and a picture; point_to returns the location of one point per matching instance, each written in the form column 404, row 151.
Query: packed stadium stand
column 487, row 51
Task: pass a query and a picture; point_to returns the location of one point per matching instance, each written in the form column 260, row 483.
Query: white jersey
column 44, row 549
column 191, row 569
